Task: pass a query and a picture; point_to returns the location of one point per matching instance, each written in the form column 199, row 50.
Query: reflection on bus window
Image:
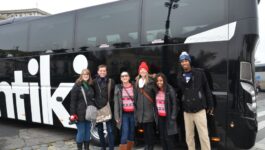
column 107, row 24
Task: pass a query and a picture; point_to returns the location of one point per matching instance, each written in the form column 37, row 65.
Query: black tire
column 95, row 137
column 94, row 134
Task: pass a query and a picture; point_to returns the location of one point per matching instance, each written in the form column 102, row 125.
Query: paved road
column 22, row 136
column 260, row 141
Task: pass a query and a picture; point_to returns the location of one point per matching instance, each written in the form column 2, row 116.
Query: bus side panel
column 241, row 104
column 7, row 109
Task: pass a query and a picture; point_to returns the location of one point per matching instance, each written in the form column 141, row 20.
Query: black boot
column 79, row 146
column 86, row 145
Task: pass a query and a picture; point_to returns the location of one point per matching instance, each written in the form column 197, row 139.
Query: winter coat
column 77, row 104
column 118, row 110
column 171, row 108
column 145, row 109
column 196, row 94
column 101, row 93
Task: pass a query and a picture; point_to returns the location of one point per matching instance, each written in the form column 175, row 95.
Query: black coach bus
column 40, row 58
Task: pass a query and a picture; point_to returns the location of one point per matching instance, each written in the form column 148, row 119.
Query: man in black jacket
column 196, row 102
column 104, row 95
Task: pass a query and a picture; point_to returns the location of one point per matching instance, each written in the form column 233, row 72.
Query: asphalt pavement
column 16, row 135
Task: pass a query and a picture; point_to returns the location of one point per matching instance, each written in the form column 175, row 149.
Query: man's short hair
column 102, row 66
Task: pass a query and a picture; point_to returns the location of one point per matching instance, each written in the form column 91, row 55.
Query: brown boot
column 130, row 145
column 123, row 147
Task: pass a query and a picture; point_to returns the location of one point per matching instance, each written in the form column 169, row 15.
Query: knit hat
column 184, row 56
column 143, row 65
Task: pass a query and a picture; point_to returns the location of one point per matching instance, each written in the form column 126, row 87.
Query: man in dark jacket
column 196, row 101
column 104, row 95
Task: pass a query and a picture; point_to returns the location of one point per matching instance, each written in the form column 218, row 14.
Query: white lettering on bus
column 49, row 101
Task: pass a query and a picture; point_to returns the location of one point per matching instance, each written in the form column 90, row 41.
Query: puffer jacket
column 77, row 104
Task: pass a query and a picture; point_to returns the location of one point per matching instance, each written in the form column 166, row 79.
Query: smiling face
column 85, row 75
column 102, row 72
column 143, row 73
column 185, row 64
column 125, row 78
column 160, row 82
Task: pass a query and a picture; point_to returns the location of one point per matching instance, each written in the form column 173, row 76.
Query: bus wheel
column 94, row 134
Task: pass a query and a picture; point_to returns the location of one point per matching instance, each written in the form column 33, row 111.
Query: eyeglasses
column 124, row 76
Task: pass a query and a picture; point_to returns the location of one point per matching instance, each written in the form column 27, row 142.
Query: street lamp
column 171, row 5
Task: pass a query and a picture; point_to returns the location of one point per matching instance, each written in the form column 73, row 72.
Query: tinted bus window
column 13, row 37
column 186, row 18
column 114, row 24
column 52, row 33
column 260, row 69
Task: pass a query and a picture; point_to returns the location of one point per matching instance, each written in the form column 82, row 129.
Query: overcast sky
column 57, row 6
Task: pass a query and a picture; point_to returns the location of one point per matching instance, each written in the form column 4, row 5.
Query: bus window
column 185, row 19
column 114, row 38
column 91, row 41
column 13, row 37
column 53, row 33
column 110, row 21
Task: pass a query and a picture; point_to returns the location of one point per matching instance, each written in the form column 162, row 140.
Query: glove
column 73, row 119
column 210, row 111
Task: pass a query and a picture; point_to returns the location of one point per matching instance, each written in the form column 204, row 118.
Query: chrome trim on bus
column 219, row 93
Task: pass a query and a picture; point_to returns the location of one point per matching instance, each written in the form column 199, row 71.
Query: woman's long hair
column 138, row 77
column 80, row 78
column 164, row 80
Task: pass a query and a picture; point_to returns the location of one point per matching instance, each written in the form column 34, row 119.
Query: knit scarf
column 85, row 85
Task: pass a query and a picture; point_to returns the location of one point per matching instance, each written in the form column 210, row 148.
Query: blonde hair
column 79, row 80
column 139, row 77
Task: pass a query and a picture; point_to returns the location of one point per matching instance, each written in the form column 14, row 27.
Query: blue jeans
column 127, row 127
column 83, row 131
column 110, row 129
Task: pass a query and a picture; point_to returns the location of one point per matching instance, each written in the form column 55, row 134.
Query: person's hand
column 118, row 121
column 73, row 118
column 210, row 111
column 153, row 75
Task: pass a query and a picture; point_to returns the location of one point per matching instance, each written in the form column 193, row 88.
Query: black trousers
column 167, row 141
column 149, row 133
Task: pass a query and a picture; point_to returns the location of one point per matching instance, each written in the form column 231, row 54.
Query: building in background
column 4, row 14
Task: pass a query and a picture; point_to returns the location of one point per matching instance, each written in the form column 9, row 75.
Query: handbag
column 104, row 114
column 91, row 110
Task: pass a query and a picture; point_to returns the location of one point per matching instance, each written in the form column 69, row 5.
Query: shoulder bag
column 91, row 110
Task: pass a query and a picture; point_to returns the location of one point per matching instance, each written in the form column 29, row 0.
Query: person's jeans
column 83, row 131
column 127, row 127
column 110, row 129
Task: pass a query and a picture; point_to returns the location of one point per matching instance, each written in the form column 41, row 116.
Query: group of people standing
column 149, row 101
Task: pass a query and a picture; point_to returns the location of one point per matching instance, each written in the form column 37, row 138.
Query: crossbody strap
column 83, row 92
column 128, row 93
column 146, row 95
column 109, row 89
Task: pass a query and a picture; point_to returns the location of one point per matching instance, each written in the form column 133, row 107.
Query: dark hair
column 164, row 79
column 102, row 66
